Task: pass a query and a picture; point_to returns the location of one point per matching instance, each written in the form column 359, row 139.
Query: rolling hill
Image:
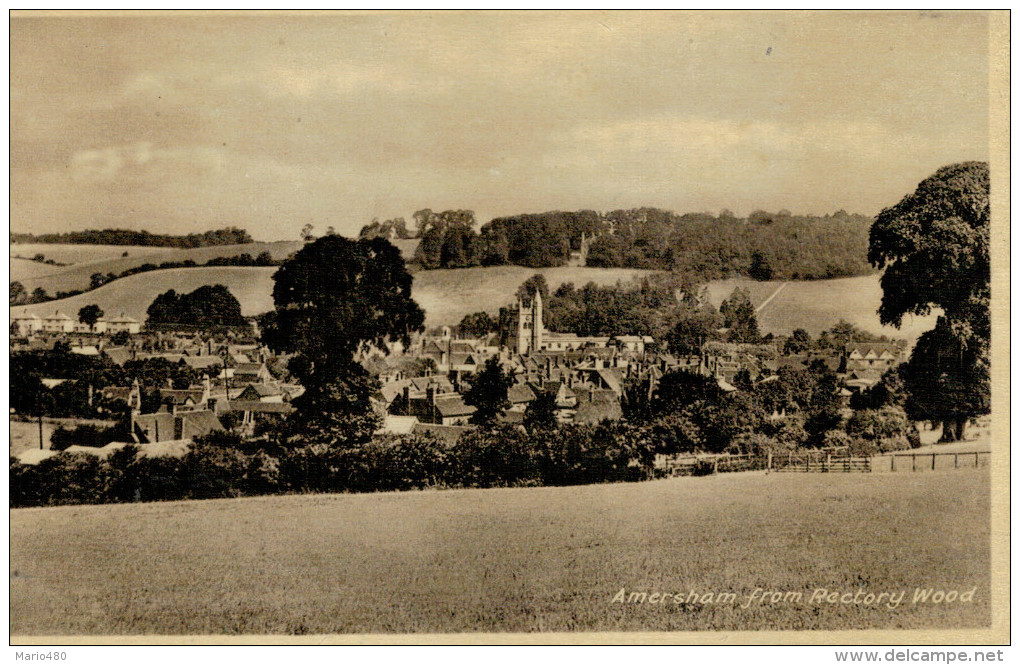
column 447, row 295
column 68, row 253
column 78, row 275
column 85, row 260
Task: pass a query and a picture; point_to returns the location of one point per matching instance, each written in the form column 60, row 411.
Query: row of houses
column 24, row 324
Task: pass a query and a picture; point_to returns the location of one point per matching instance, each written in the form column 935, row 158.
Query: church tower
column 529, row 323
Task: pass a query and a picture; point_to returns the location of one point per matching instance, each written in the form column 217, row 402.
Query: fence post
column 715, row 465
column 828, row 462
column 976, row 460
column 913, row 462
column 892, row 462
column 956, row 460
column 768, row 466
column 933, row 461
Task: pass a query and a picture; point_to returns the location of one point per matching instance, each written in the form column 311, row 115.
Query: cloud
column 271, row 122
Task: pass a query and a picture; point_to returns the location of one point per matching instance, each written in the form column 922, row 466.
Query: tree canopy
column 89, row 314
column 335, row 298
column 488, row 392
column 934, row 247
column 209, row 305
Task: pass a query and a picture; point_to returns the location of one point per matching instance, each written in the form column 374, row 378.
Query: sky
column 179, row 124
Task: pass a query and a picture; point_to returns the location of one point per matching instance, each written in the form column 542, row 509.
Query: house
column 123, row 323
column 263, row 392
column 24, row 324
column 520, row 396
column 636, row 344
column 58, row 322
column 98, row 327
column 397, row 424
column 250, row 373
column 119, row 354
column 871, row 356
column 438, row 409
column 595, row 405
column 130, row 395
column 250, row 410
column 164, row 426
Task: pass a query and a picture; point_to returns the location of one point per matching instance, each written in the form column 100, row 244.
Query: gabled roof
column 519, row 393
column 58, row 316
column 202, row 362
column 264, row 389
column 122, row 319
column 612, row 379
column 453, row 406
column 198, row 423
column 248, row 368
column 878, row 348
column 171, row 396
column 398, row 424
column 151, row 423
column 259, row 407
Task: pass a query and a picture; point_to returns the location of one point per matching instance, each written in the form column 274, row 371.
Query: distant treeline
column 762, row 246
column 228, row 236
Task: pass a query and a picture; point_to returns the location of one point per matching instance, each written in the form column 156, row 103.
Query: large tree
column 335, row 299
column 488, row 392
column 934, row 247
column 89, row 314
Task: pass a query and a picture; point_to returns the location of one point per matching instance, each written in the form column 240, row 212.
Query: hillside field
column 447, row 295
column 70, row 254
column 523, row 560
column 78, row 275
column 85, row 260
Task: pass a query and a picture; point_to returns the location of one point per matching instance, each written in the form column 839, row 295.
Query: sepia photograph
column 509, row 326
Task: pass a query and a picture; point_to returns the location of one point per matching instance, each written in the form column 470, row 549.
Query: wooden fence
column 819, row 462
column 827, row 464
column 932, row 461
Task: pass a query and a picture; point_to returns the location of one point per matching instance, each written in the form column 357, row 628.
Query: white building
column 123, row 324
column 58, row 323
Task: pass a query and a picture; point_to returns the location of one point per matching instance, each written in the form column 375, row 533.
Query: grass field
column 538, row 559
column 78, row 275
column 67, row 253
column 818, row 305
column 84, row 260
column 447, row 295
column 253, row 287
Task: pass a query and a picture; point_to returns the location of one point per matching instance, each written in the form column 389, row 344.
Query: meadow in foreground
column 535, row 559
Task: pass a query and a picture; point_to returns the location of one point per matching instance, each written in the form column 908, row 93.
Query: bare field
column 68, row 253
column 253, row 287
column 539, row 559
column 820, row 304
column 447, row 295
column 78, row 276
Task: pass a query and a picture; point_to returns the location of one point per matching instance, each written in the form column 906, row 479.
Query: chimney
column 430, row 394
column 591, row 393
column 206, row 386
column 407, row 400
